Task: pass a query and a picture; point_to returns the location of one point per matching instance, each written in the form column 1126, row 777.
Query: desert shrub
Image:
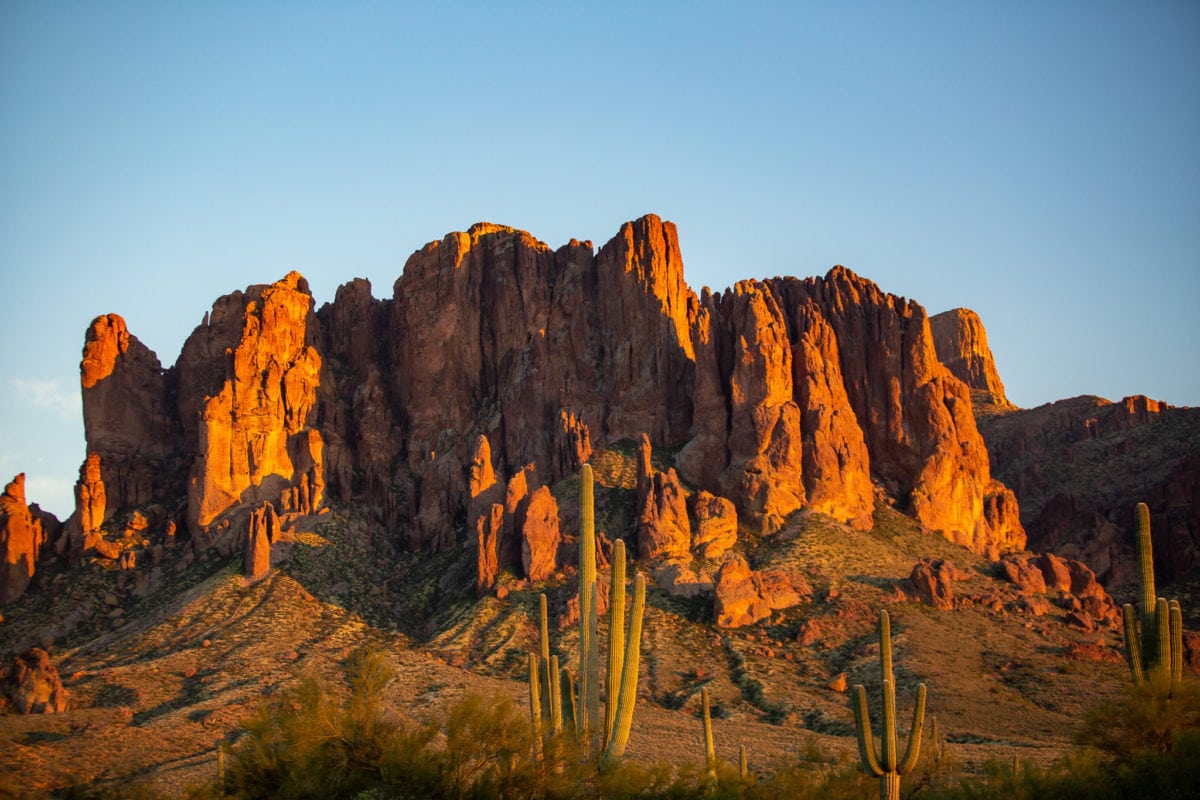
column 1142, row 719
column 1143, row 744
column 319, row 739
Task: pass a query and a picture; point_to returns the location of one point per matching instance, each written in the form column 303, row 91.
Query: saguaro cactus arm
column 1176, row 624
column 1133, row 647
column 535, row 704
column 629, row 673
column 913, row 751
column 589, row 668
column 556, row 715
column 616, row 636
column 862, row 727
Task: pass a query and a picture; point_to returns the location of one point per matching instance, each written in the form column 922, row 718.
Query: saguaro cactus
column 885, row 766
column 582, row 711
column 710, row 752
column 1155, row 653
column 535, row 705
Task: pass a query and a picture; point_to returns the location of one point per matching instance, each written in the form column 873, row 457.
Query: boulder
column 1024, row 574
column 744, row 596
column 932, row 582
column 716, row 525
column 680, row 579
column 33, row 685
column 540, row 535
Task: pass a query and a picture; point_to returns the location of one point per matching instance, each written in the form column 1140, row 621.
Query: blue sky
column 1037, row 162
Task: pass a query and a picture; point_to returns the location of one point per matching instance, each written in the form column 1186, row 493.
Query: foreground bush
column 333, row 740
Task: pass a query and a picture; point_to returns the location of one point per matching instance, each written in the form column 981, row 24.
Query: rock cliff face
column 256, row 434
column 135, row 451
column 915, row 417
column 1081, row 466
column 962, row 345
column 24, row 531
column 497, row 356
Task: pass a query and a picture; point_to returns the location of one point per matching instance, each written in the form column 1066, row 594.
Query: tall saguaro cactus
column 1155, row 653
column 610, row 732
column 710, row 752
column 886, row 767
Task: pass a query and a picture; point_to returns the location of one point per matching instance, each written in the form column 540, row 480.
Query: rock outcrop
column 33, row 685
column 663, row 528
column 128, row 421
column 540, row 535
column 916, row 417
column 932, row 582
column 1072, row 582
column 262, row 532
column 1080, row 466
column 961, row 343
column 764, row 473
column 23, row 534
column 716, row 527
column 256, row 408
column 836, row 463
column 745, row 596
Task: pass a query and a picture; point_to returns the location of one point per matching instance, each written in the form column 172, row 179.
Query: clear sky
column 1038, row 162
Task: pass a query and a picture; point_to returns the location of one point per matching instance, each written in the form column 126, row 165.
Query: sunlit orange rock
column 540, row 535
column 744, row 596
column 961, row 344
column 130, row 426
column 22, row 537
column 256, row 365
column 663, row 528
column 483, row 487
column 932, row 582
column 916, row 417
column 716, row 525
column 488, row 529
column 836, row 464
column 764, row 473
column 33, row 685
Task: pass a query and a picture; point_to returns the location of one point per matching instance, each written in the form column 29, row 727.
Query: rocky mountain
column 777, row 396
column 782, row 459
column 1080, row 466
